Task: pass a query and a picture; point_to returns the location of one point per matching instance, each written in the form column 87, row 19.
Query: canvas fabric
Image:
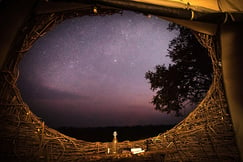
column 200, row 5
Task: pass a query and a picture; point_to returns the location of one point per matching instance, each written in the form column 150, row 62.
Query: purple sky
column 89, row 71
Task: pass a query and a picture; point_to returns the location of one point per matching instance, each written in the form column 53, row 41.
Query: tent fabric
column 231, row 5
column 216, row 13
column 200, row 5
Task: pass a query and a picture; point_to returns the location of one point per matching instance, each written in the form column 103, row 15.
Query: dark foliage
column 187, row 79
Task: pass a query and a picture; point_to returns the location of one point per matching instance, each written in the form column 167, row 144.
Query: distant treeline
column 105, row 134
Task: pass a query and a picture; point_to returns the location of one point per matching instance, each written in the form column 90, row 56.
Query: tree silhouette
column 187, row 79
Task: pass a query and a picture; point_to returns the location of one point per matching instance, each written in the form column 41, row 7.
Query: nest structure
column 206, row 134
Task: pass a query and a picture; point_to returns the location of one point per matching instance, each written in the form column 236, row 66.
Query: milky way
column 89, row 71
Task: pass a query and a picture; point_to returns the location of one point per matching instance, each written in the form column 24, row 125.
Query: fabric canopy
column 200, row 5
column 200, row 15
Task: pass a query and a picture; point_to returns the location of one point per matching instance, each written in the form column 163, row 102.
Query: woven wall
column 206, row 134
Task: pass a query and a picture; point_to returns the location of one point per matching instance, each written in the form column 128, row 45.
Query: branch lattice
column 206, row 134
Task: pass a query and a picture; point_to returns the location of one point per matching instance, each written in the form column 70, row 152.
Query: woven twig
column 206, row 134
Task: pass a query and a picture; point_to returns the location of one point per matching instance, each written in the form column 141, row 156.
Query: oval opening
column 89, row 72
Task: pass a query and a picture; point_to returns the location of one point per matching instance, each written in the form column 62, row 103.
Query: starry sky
column 89, row 71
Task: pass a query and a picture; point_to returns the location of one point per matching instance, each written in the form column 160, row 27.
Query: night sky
column 89, row 71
